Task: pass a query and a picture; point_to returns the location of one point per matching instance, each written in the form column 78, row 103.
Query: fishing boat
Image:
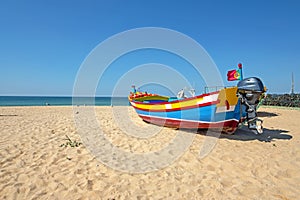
column 223, row 109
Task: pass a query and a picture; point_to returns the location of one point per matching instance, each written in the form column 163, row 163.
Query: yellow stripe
column 174, row 105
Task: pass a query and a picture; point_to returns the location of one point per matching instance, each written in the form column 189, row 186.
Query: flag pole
column 241, row 70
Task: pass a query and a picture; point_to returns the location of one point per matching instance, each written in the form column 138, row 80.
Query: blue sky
column 44, row 43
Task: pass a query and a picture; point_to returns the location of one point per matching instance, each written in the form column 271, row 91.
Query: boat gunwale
column 176, row 101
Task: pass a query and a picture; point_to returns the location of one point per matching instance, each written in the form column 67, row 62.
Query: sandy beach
column 35, row 163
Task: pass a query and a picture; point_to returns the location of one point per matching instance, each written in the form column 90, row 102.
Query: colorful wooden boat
column 223, row 109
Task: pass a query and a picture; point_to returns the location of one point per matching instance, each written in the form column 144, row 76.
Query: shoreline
column 1, row 106
column 67, row 105
column 23, row 106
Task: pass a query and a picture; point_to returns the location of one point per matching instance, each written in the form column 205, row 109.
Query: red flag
column 233, row 75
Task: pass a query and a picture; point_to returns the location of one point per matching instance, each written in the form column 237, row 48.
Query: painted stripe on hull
column 204, row 97
column 205, row 114
column 183, row 104
column 232, row 123
column 225, row 109
column 168, row 107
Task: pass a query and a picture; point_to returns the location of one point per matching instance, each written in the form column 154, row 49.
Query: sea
column 62, row 101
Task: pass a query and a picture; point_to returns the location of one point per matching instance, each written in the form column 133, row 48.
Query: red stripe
column 228, row 125
column 182, row 108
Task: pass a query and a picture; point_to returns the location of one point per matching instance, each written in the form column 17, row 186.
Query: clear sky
column 43, row 43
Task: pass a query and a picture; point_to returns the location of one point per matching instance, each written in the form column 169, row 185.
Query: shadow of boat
column 266, row 114
column 244, row 134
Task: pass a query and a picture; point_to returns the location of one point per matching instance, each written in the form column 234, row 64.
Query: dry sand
column 33, row 165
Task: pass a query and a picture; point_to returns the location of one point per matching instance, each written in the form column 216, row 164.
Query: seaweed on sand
column 71, row 143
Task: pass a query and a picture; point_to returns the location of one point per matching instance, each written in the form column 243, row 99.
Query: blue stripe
column 206, row 114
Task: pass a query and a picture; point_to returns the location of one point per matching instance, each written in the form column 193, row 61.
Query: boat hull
column 218, row 110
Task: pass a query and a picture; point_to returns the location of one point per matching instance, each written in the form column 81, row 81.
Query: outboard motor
column 250, row 91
